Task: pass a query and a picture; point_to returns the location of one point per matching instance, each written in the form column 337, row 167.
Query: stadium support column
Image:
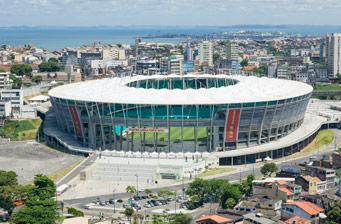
column 91, row 129
column 182, row 126
column 169, row 130
column 101, row 125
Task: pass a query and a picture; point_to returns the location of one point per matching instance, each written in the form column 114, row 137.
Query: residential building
column 15, row 96
column 336, row 158
column 297, row 220
column 312, row 185
column 4, row 80
column 283, row 71
column 213, row 219
column 276, row 188
column 5, row 108
column 272, row 70
column 232, row 51
column 142, row 66
column 333, row 54
column 302, row 209
column 269, row 208
column 206, row 53
column 252, row 218
column 175, row 64
column 324, row 174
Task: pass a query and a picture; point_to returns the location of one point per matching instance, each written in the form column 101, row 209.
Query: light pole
column 113, row 198
column 137, row 184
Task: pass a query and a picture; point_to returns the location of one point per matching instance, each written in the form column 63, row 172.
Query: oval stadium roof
column 248, row 89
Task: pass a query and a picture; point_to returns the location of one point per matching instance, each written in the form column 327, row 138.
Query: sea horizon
column 58, row 37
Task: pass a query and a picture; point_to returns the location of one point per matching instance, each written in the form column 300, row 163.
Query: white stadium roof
column 248, row 89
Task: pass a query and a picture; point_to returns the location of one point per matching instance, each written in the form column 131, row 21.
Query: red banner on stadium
column 232, row 123
column 76, row 121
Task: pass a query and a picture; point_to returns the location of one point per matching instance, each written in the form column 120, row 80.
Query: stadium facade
column 191, row 113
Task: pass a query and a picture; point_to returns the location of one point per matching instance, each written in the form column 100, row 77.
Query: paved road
column 236, row 176
column 77, row 170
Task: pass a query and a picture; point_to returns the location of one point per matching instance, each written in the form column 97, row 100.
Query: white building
column 114, row 52
column 206, row 53
column 175, row 64
column 333, row 54
column 4, row 80
column 15, row 96
column 5, row 109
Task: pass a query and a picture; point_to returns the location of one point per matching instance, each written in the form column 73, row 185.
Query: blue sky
column 168, row 12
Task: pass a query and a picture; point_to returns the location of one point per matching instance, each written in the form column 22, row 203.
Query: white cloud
column 168, row 12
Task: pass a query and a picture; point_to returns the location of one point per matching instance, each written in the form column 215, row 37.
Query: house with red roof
column 304, row 209
column 213, row 219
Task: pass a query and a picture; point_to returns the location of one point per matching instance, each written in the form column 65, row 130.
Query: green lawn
column 188, row 134
column 323, row 138
column 327, row 87
column 21, row 130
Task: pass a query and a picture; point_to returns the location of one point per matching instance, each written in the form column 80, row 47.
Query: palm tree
column 130, row 189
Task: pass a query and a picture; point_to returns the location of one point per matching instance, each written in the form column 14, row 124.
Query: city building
column 268, row 207
column 324, row 174
column 252, row 218
column 143, row 67
column 303, row 209
column 213, row 219
column 312, row 185
column 4, row 80
column 206, row 53
column 5, row 109
column 15, row 96
column 171, row 113
column 333, row 54
column 175, row 64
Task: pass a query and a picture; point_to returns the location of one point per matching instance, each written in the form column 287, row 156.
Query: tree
column 334, row 215
column 40, row 207
column 44, row 187
column 231, row 192
column 163, row 193
column 130, row 189
column 75, row 212
column 37, row 79
column 129, row 212
column 244, row 63
column 2, row 70
column 180, row 219
column 16, row 82
column 246, row 186
column 230, row 203
column 52, row 65
column 21, row 69
column 147, row 191
column 43, row 212
column 8, row 178
column 268, row 169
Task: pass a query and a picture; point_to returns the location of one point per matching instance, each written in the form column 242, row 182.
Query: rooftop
column 307, row 206
column 215, row 218
column 247, row 89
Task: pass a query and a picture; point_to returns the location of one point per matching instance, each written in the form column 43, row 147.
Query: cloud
column 168, row 12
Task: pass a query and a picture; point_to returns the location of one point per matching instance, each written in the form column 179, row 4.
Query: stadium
column 191, row 113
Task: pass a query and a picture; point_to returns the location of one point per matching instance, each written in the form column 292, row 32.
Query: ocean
column 54, row 38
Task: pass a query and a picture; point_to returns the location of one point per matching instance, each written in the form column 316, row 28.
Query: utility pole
column 113, row 198
column 137, row 184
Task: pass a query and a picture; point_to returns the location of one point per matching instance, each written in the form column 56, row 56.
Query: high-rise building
column 333, row 54
column 206, row 53
column 176, row 64
column 232, row 51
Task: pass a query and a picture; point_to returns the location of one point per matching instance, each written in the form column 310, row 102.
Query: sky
column 168, row 12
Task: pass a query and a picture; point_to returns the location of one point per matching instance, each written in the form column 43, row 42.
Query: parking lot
column 143, row 202
column 30, row 158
